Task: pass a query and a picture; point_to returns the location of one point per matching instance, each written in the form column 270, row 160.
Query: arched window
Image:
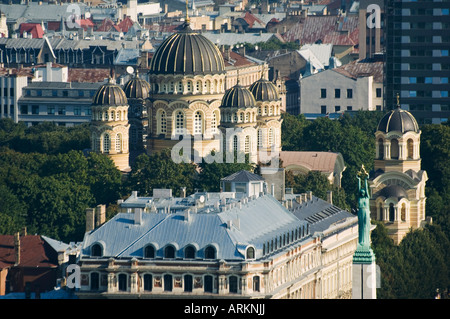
column 189, row 252
column 198, row 86
column 198, row 123
column 180, row 87
column 247, row 144
column 260, row 138
column 214, row 122
column 96, row 250
column 403, row 212
column 210, row 253
column 394, row 149
column 122, row 282
column 233, row 284
column 189, row 86
column 188, row 283
column 381, row 212
column 250, row 253
column 271, row 138
column 235, row 144
column 179, row 122
column 119, row 142
column 410, row 146
column 162, row 122
column 148, row 282
column 95, row 281
column 106, row 143
column 391, row 212
column 380, row 149
column 149, row 252
column 169, row 252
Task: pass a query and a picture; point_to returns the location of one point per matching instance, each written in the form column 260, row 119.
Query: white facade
column 331, row 92
column 10, row 92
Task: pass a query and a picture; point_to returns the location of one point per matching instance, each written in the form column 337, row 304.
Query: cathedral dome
column 187, row 52
column 238, row 97
column 398, row 120
column 136, row 88
column 394, row 191
column 264, row 90
column 110, row 94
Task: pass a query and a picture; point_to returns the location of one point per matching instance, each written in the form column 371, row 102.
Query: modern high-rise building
column 417, row 58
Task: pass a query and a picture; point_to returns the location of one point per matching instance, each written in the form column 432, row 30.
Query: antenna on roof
column 187, row 15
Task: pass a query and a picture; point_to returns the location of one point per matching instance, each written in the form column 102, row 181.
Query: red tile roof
column 88, row 75
column 337, row 30
column 34, row 28
column 34, row 252
column 125, row 24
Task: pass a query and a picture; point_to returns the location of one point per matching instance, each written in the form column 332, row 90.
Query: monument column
column 364, row 267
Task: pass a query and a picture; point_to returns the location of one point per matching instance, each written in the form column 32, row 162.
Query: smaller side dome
column 136, row 88
column 238, row 97
column 109, row 94
column 398, row 120
column 264, row 90
column 393, row 191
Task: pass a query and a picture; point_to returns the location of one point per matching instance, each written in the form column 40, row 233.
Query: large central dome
column 187, row 52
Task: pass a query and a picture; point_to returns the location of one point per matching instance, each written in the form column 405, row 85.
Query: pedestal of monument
column 364, row 274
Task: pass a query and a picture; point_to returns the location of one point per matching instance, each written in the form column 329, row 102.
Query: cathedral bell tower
column 398, row 183
column 109, row 124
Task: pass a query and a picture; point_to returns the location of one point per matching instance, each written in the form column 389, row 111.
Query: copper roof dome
column 238, row 97
column 136, row 88
column 187, row 52
column 264, row 90
column 398, row 120
column 110, row 94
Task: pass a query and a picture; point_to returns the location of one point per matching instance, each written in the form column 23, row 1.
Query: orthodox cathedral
column 398, row 183
column 187, row 97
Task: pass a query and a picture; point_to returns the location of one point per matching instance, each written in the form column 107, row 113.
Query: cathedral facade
column 398, row 184
column 187, row 98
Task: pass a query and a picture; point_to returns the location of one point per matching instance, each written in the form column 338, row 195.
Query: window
column 96, row 250
column 122, row 282
column 410, row 147
column 189, row 252
column 380, row 149
column 250, row 253
column 77, row 111
column 323, row 109
column 198, row 129
column 24, row 109
column 349, row 93
column 323, row 93
column 349, row 108
column 403, row 212
column 50, row 110
column 119, row 142
column 214, row 122
column 148, row 282
column 247, row 144
column 378, row 92
column 337, row 93
column 61, row 110
column 208, row 285
column 169, row 252
column 337, row 108
column 260, row 139
column 35, row 109
column 149, row 252
column 394, row 149
column 233, row 284
column 167, row 282
column 162, row 122
column 179, row 122
column 210, row 252
column 391, row 212
column 235, row 144
column 106, row 143
column 271, row 137
column 256, row 285
column 188, row 283
column 95, row 281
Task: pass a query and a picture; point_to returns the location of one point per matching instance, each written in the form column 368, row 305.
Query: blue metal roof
column 231, row 229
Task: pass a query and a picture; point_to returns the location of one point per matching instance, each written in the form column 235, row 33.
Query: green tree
column 160, row 171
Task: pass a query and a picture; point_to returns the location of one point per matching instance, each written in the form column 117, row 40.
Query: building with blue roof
column 220, row 245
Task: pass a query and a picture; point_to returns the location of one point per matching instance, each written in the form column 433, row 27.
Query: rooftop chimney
column 90, row 219
column 17, row 248
column 183, row 192
column 137, row 216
